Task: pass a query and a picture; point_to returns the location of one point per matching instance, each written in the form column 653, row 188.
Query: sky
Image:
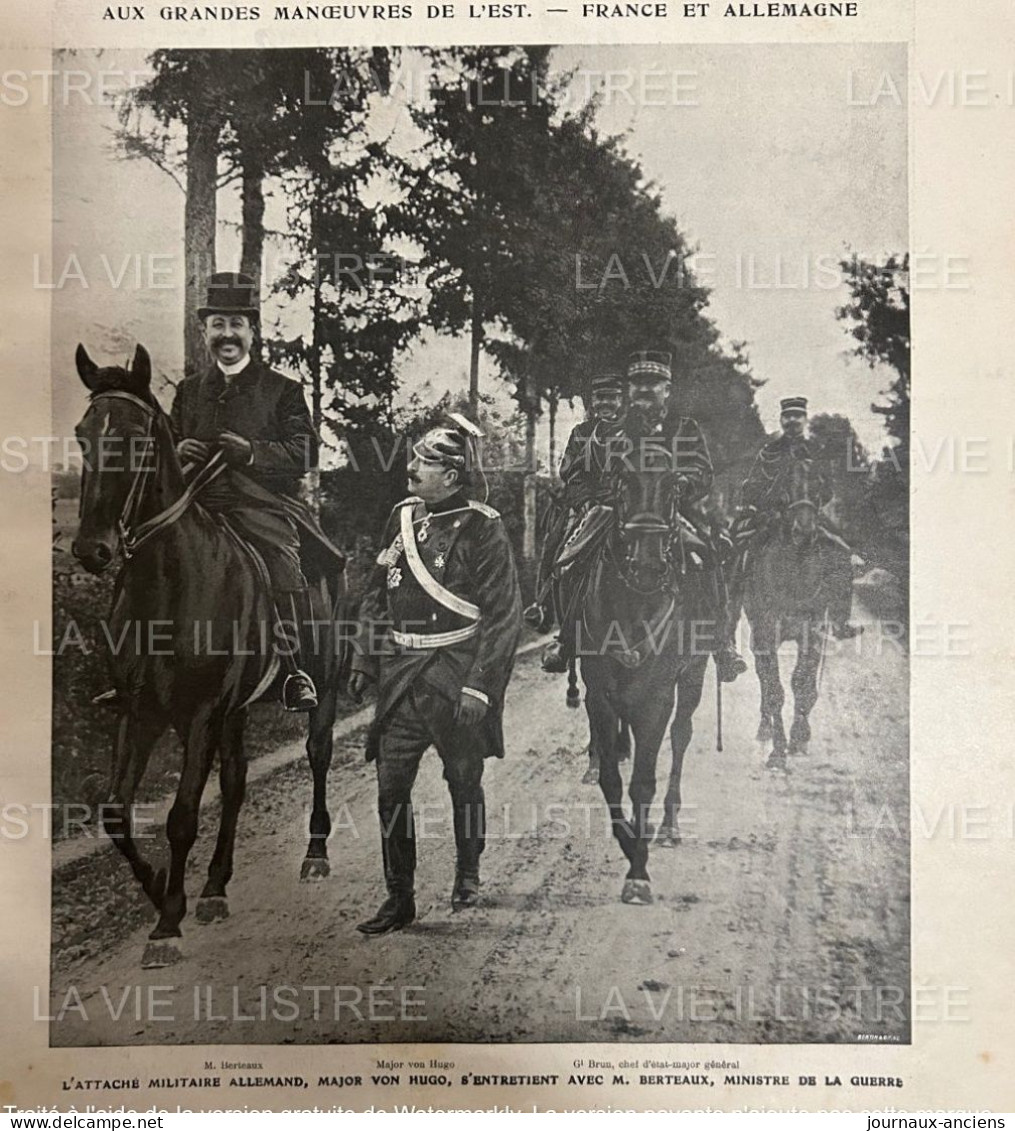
column 771, row 159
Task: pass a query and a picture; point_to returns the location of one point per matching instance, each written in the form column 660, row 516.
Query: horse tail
column 345, row 617
column 573, row 699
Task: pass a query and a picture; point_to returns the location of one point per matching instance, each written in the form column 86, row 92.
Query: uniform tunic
column 465, row 548
column 773, row 460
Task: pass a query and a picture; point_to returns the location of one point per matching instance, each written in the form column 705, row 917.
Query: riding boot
column 470, row 832
column 298, row 691
column 398, row 847
column 840, row 604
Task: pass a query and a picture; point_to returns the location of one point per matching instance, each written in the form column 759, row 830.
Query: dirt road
column 782, row 917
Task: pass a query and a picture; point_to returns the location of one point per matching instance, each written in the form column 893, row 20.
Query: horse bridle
column 645, row 522
column 131, row 538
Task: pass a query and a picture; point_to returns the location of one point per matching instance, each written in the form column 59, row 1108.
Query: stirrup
column 298, row 692
column 537, row 618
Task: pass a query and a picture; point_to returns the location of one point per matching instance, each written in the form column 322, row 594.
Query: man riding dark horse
column 257, row 422
column 760, row 505
column 652, row 424
column 582, row 475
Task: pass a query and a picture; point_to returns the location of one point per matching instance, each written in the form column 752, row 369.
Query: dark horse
column 789, row 583
column 191, row 621
column 646, row 631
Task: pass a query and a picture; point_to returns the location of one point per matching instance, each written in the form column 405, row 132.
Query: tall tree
column 877, row 315
column 485, row 127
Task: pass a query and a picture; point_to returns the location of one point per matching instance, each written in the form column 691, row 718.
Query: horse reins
column 132, row 539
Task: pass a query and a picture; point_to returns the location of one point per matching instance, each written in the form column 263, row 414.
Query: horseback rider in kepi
column 258, row 420
column 582, row 469
column 654, row 423
column 759, row 509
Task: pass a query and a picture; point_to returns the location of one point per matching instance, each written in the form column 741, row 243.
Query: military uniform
column 584, row 481
column 772, row 461
column 758, row 508
column 440, row 619
column 679, row 443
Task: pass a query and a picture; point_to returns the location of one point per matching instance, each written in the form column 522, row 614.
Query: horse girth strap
column 427, row 582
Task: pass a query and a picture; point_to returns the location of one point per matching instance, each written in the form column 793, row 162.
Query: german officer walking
column 438, row 629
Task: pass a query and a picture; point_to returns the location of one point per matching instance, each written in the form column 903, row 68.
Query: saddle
column 586, row 537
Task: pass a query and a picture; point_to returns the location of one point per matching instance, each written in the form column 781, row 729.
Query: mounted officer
column 654, row 421
column 439, row 625
column 759, row 509
column 258, row 420
column 582, row 476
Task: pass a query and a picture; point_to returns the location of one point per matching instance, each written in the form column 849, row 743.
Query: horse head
column 799, row 507
column 646, row 506
column 116, row 439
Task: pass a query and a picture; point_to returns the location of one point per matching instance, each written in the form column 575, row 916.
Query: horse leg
column 203, row 734
column 649, row 726
column 138, row 731
column 320, row 746
column 624, row 741
column 805, row 691
column 766, row 663
column 689, row 688
column 602, row 729
column 591, row 775
column 233, row 777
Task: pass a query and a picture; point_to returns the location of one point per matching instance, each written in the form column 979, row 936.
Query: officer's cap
column 607, row 383
column 650, row 365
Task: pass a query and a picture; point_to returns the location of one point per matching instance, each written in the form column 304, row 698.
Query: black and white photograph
column 481, row 547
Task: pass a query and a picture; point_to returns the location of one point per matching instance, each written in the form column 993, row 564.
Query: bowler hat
column 229, row 292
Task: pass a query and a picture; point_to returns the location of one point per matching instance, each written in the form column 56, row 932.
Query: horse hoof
column 764, row 731
column 315, row 869
column 636, row 891
column 667, row 837
column 211, row 908
column 161, row 952
column 777, row 762
column 799, row 748
column 591, row 776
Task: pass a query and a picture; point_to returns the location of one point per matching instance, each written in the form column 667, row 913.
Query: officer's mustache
column 227, row 342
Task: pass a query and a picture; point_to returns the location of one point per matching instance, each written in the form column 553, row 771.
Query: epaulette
column 483, row 509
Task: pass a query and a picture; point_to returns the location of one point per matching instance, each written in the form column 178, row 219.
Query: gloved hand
column 358, row 683
column 193, row 451
column 470, row 710
column 237, row 450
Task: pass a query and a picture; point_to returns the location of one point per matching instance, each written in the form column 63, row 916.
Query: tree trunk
column 529, row 495
column 252, row 255
column 199, row 228
column 476, row 342
column 553, row 433
column 316, row 349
